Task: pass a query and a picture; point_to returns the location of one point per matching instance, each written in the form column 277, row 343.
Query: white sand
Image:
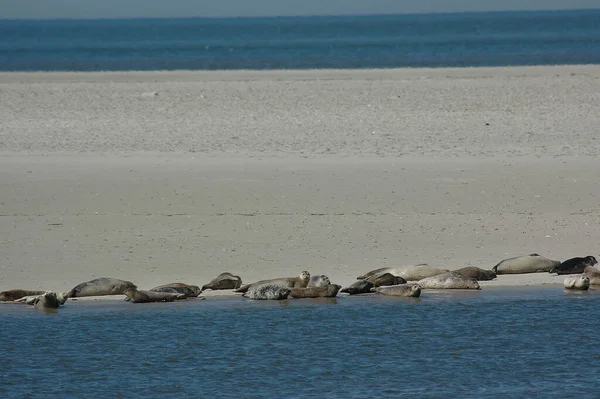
column 266, row 174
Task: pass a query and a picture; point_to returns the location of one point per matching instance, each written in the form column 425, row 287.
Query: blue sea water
column 428, row 40
column 511, row 343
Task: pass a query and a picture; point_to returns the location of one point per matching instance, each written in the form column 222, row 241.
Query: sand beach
column 157, row 177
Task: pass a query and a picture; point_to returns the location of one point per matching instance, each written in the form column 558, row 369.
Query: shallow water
column 375, row 41
column 536, row 342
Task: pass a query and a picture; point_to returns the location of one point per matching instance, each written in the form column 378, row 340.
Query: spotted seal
column 179, row 288
column 289, row 282
column 47, row 300
column 359, row 287
column 408, row 290
column 224, row 281
column 385, row 279
column 319, row 281
column 13, row 295
column 532, row 263
column 448, row 281
column 593, row 273
column 476, row 273
column 328, row 291
column 101, row 286
column 267, row 291
column 574, row 265
column 580, row 282
column 141, row 296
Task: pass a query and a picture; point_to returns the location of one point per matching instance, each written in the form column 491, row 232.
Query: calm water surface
column 426, row 40
column 538, row 342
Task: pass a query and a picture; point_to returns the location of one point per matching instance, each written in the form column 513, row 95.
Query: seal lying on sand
column 392, row 270
column 139, row 296
column 319, row 281
column 32, row 299
column 385, row 279
column 449, row 281
column 476, row 273
column 359, row 287
column 224, row 281
column 593, row 273
column 328, row 291
column 267, row 291
column 574, row 265
column 13, row 295
column 409, row 290
column 420, row 272
column 581, row 282
column 179, row 288
column 101, row 286
column 532, row 263
column 289, row 282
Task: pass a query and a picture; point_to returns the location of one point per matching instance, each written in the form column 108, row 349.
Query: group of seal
column 405, row 281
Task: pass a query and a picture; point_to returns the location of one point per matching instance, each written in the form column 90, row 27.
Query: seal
column 319, row 281
column 359, row 287
column 385, row 279
column 31, row 299
column 593, row 273
column 289, row 282
column 574, row 265
column 476, row 273
column 179, row 288
column 392, row 270
column 267, row 291
column 224, row 281
column 449, row 281
column 140, row 296
column 419, row 272
column 408, row 290
column 581, row 282
column 532, row 263
column 13, row 295
column 47, row 300
column 328, row 291
column 101, row 286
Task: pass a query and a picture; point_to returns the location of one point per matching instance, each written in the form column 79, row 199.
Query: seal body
column 593, row 273
column 448, row 281
column 581, row 282
column 13, row 295
column 407, row 290
column 179, row 288
column 47, row 300
column 476, row 273
column 575, row 265
column 392, row 270
column 385, row 279
column 328, row 291
column 224, row 281
column 101, row 286
column 289, row 282
column 359, row 287
column 420, row 272
column 267, row 291
column 140, row 296
column 319, row 281
column 532, row 263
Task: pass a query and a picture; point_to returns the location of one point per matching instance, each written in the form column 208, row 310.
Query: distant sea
column 426, row 40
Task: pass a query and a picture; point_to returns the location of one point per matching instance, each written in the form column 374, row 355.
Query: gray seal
column 532, row 263
column 381, row 279
column 13, row 295
column 179, row 288
column 574, row 265
column 407, row 290
column 328, row 291
column 476, row 273
column 140, row 296
column 581, row 282
column 319, row 281
column 224, row 281
column 101, row 286
column 267, row 291
column 359, row 287
column 289, row 282
column 449, row 281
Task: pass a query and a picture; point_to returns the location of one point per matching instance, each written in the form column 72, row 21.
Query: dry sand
column 157, row 177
